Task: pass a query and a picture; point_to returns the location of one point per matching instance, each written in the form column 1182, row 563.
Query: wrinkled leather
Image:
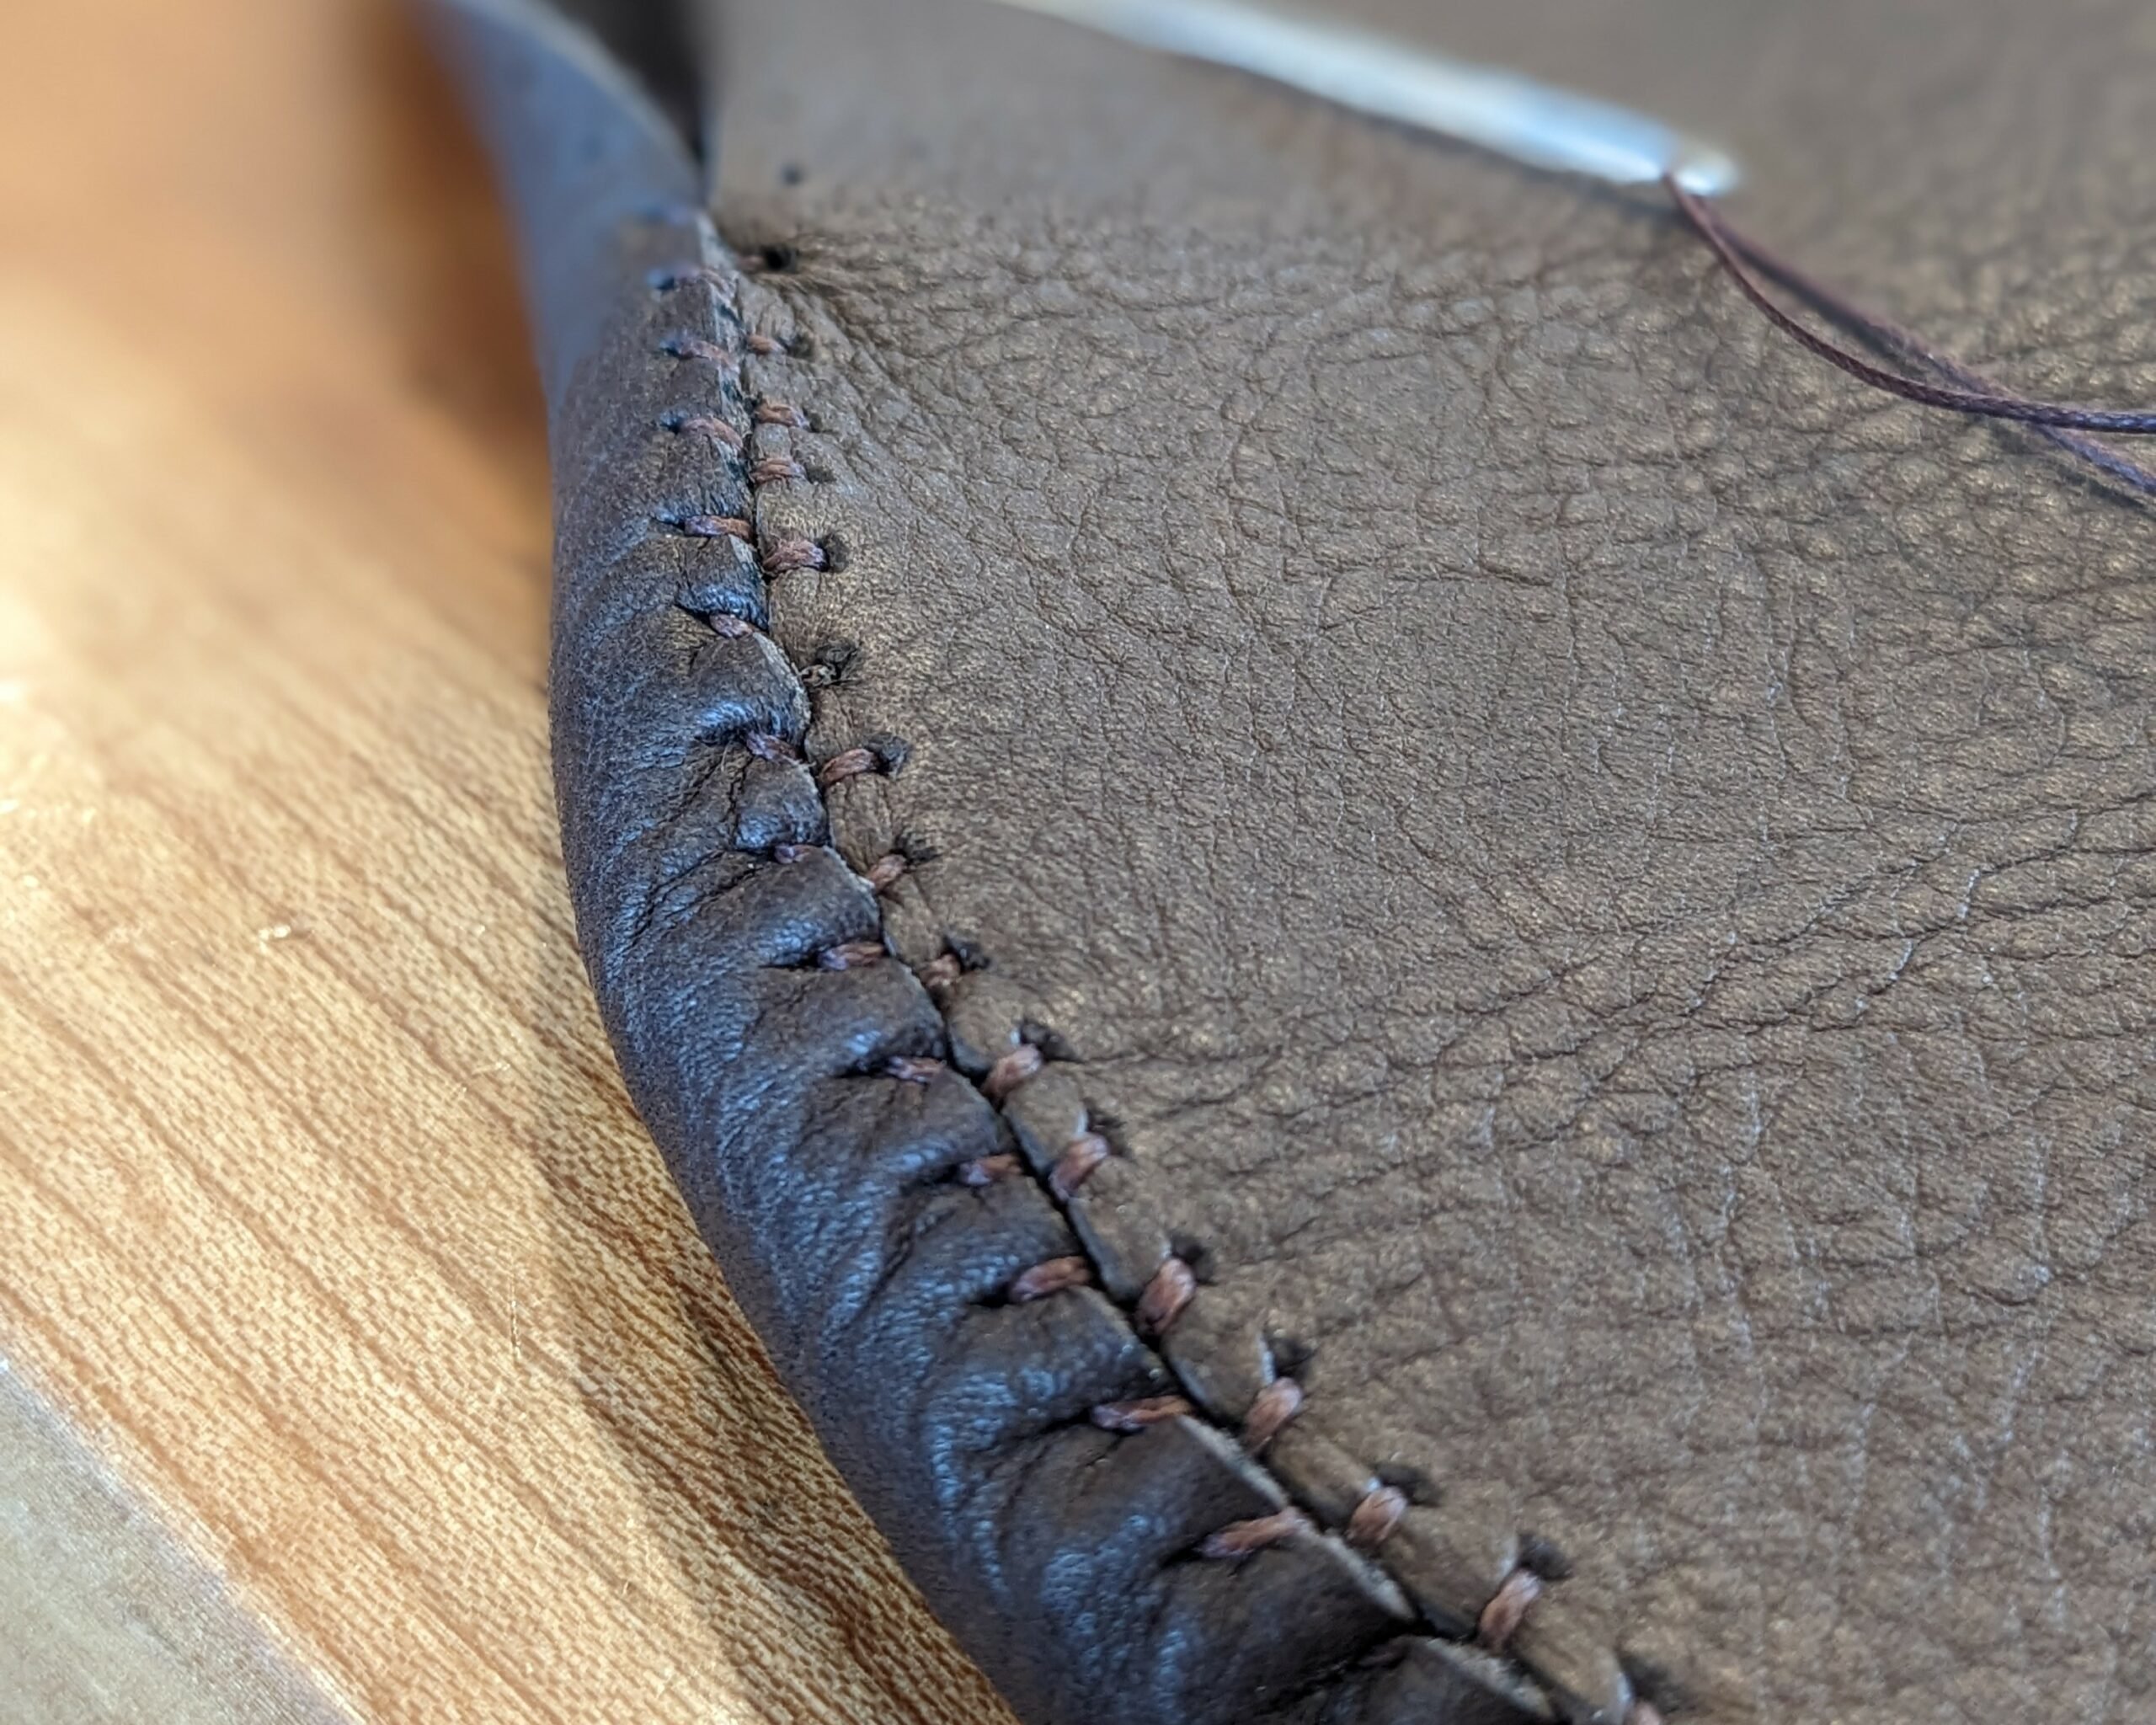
column 1601, row 879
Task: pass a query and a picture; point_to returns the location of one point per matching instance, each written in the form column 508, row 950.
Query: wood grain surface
column 356, row 1360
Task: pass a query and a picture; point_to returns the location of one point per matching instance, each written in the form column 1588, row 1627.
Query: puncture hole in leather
column 970, row 954
column 1411, row 1482
column 1052, row 1043
column 780, row 260
column 1544, row 1557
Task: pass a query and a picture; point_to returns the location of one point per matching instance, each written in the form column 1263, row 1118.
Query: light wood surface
column 359, row 1362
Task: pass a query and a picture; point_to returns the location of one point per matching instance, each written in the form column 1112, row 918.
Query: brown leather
column 1602, row 879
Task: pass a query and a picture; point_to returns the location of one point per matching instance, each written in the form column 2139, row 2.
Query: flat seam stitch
column 717, row 257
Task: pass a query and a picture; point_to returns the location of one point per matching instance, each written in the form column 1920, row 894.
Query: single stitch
column 1507, row 1613
column 852, row 955
column 987, row 1170
column 775, row 470
column 1277, row 1403
column 1166, row 1297
column 706, row 426
column 695, row 347
column 1136, row 1416
column 765, row 746
column 791, row 853
column 1055, row 1275
column 1377, row 1518
column 1079, row 1161
column 886, row 873
column 733, row 628
column 714, row 527
column 849, row 763
column 779, row 413
column 1014, row 1069
column 914, row 1068
column 1246, row 1539
column 789, row 557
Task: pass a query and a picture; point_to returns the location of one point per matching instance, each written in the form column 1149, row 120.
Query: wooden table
column 356, row 1360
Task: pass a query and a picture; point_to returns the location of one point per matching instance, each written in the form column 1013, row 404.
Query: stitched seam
column 1173, row 1285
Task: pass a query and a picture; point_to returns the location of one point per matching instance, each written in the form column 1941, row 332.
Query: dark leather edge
column 824, row 1115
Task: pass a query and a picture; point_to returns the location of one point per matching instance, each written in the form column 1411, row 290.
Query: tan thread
column 987, row 1170
column 886, row 872
column 1246, row 1539
column 1014, row 1069
column 1507, row 1613
column 1081, row 1159
column 1137, row 1416
column 1276, row 1403
column 1055, row 1275
column 1377, row 1518
column 1166, row 1297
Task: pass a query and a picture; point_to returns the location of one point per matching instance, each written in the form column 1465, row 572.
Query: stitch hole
column 1289, row 1356
column 1656, row 1695
column 833, row 664
column 838, row 553
column 1052, row 1043
column 1545, row 1557
column 1023, row 1062
column 1277, row 1404
column 780, row 260
column 1411, row 1483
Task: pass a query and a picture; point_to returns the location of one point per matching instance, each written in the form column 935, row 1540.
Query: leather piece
column 1603, row 874
column 1599, row 879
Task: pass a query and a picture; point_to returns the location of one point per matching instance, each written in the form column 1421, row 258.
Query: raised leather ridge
column 811, row 1110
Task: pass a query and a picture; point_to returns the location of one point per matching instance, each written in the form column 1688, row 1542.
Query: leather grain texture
column 1598, row 882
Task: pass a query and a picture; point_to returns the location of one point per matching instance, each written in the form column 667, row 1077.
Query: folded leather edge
column 879, row 1165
